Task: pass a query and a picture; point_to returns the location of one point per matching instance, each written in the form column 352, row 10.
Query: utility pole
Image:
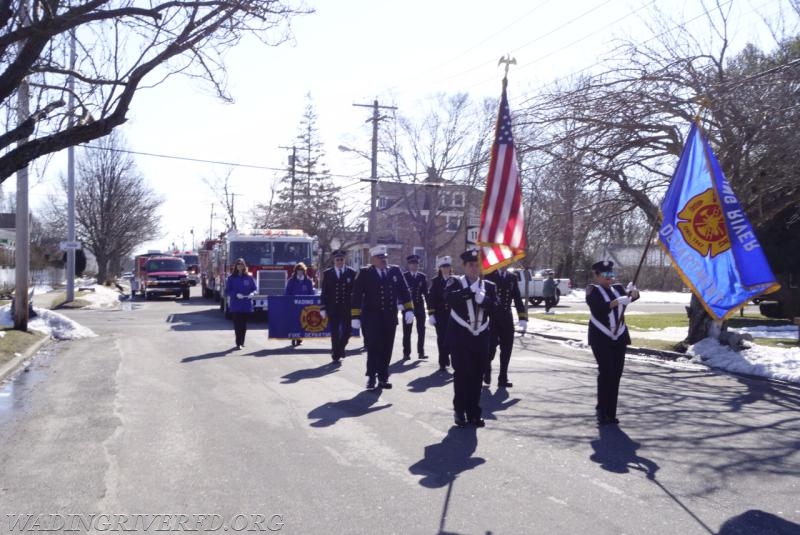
column 292, row 162
column 21, row 220
column 373, row 214
column 71, row 177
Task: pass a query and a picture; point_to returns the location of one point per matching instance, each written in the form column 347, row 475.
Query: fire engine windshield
column 166, row 264
column 271, row 253
column 190, row 259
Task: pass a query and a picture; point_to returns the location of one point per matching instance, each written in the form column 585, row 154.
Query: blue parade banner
column 708, row 236
column 297, row 316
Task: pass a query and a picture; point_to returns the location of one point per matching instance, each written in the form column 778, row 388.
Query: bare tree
column 115, row 211
column 122, row 46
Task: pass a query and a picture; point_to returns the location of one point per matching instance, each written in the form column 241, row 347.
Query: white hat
column 378, row 250
column 444, row 261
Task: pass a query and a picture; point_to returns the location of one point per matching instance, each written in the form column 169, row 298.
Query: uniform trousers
column 469, row 362
column 240, row 326
column 610, row 357
column 419, row 320
column 380, row 326
column 502, row 327
column 441, row 334
column 339, row 323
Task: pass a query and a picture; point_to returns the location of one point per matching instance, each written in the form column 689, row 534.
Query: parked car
column 531, row 283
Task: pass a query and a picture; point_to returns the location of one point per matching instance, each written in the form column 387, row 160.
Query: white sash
column 476, row 324
column 616, row 329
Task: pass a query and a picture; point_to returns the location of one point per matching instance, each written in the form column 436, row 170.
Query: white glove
column 624, row 300
column 355, row 324
column 476, row 286
column 409, row 315
column 240, row 296
column 400, row 307
column 323, row 314
column 630, row 287
column 523, row 325
column 432, row 320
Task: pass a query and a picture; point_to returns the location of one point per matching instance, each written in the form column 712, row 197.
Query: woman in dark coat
column 299, row 284
column 238, row 290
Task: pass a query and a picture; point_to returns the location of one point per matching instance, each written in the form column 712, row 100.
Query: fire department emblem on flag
column 703, row 227
column 311, row 320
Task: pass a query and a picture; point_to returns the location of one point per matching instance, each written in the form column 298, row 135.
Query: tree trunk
column 699, row 322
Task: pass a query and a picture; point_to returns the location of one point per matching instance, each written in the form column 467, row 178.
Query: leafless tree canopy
column 115, row 210
column 121, row 46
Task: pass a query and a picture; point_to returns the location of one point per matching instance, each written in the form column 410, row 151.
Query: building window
column 420, row 252
column 453, row 223
column 383, row 202
column 458, row 200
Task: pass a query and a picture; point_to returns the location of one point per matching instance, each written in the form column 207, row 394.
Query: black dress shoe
column 406, row 357
column 505, row 384
column 477, row 422
column 422, row 357
column 371, row 383
column 443, row 369
column 460, row 420
column 487, row 378
column 385, row 384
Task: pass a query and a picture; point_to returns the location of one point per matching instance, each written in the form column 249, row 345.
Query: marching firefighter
column 418, row 287
column 337, row 288
column 503, row 324
column 438, row 310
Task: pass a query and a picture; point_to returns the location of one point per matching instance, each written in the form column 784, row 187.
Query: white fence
column 40, row 277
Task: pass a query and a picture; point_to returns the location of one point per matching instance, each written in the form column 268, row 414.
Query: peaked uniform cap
column 444, row 261
column 378, row 250
column 412, row 259
column 470, row 255
column 603, row 265
column 339, row 253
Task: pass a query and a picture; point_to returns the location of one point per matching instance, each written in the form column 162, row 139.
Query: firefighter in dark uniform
column 438, row 310
column 418, row 287
column 337, row 289
column 376, row 292
column 608, row 335
column 472, row 301
column 503, row 324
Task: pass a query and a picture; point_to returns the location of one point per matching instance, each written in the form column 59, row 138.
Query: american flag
column 502, row 235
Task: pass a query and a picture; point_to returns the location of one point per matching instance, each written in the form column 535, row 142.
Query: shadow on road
column 435, row 380
column 755, row 521
column 496, row 402
column 615, row 451
column 332, row 411
column 205, row 356
column 311, row 373
column 443, row 462
column 400, row 366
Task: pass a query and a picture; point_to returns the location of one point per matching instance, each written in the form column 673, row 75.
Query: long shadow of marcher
column 443, row 462
column 756, row 521
column 332, row 411
column 311, row 373
column 616, row 452
column 492, row 403
column 436, row 379
column 205, row 356
column 399, row 367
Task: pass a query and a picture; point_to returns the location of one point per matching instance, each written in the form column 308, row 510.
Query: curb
column 11, row 367
column 660, row 353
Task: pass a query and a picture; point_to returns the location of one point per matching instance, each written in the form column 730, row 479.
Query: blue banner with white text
column 297, row 316
column 708, row 236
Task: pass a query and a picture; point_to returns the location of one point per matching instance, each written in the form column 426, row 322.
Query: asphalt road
column 157, row 415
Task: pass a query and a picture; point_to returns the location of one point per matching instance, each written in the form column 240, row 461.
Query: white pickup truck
column 531, row 283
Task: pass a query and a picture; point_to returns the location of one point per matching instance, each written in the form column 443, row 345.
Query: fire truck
column 270, row 255
column 160, row 274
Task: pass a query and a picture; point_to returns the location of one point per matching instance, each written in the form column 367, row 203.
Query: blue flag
column 707, row 235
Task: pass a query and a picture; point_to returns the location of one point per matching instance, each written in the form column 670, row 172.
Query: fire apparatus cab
column 270, row 255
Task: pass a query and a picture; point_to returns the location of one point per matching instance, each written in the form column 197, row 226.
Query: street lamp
column 373, row 179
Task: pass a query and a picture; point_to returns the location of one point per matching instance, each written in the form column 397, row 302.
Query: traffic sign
column 67, row 245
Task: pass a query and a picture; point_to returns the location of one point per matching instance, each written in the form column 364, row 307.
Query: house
column 656, row 272
column 430, row 218
column 8, row 236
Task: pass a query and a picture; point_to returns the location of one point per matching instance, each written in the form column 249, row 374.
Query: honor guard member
column 418, row 287
column 337, row 289
column 376, row 291
column 503, row 323
column 438, row 310
column 608, row 335
column 472, row 301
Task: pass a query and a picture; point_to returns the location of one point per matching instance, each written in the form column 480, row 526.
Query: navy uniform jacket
column 418, row 287
column 336, row 292
column 508, row 293
column 437, row 305
column 606, row 324
column 468, row 325
column 373, row 295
